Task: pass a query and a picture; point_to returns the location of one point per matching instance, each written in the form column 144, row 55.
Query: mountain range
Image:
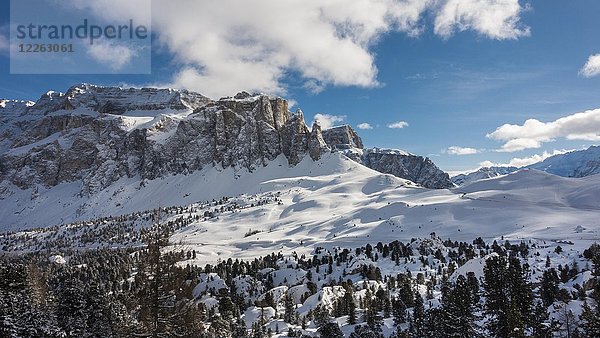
column 91, row 139
column 576, row 163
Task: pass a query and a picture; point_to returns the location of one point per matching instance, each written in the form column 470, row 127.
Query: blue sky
column 452, row 87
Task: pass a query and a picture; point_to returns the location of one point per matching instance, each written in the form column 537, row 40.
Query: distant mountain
column 579, row 163
column 482, row 174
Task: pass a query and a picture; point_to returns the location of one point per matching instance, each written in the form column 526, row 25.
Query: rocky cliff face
column 342, row 137
column 100, row 134
column 97, row 135
column 418, row 169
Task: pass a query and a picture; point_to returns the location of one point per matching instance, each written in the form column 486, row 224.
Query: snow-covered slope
column 347, row 209
column 572, row 164
column 330, row 202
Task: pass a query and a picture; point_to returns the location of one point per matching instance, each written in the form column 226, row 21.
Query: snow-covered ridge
column 376, row 150
column 482, row 174
column 117, row 100
column 11, row 106
column 579, row 163
column 572, row 164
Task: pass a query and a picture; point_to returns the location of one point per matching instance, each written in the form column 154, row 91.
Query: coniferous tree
column 435, row 324
column 542, row 325
column 590, row 316
column 106, row 316
column 221, row 328
column 72, row 313
column 289, row 308
column 365, row 331
column 549, row 289
column 330, row 330
column 509, row 296
column 20, row 316
column 458, row 309
column 418, row 315
column 349, row 303
column 189, row 321
column 157, row 296
column 398, row 312
column 321, row 316
column 405, row 291
column 590, row 320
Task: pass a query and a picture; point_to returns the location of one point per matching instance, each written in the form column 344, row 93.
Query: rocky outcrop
column 418, row 169
column 316, row 143
column 342, row 137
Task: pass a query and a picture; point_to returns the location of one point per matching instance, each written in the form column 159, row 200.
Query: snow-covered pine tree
column 330, row 330
column 458, row 309
column 418, row 316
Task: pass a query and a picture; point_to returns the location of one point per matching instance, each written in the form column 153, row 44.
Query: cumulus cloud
column 591, row 67
column 525, row 161
column 222, row 47
column 398, row 125
column 456, row 150
column 579, row 126
column 487, row 164
column 113, row 55
column 327, row 121
column 496, row 19
column 364, row 126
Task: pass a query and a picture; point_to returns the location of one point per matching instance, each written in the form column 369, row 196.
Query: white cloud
column 113, row 55
column 456, row 150
column 364, row 126
column 327, row 121
column 525, row 161
column 591, row 67
column 398, row 125
column 226, row 46
column 486, row 164
column 495, row 19
column 579, row 126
